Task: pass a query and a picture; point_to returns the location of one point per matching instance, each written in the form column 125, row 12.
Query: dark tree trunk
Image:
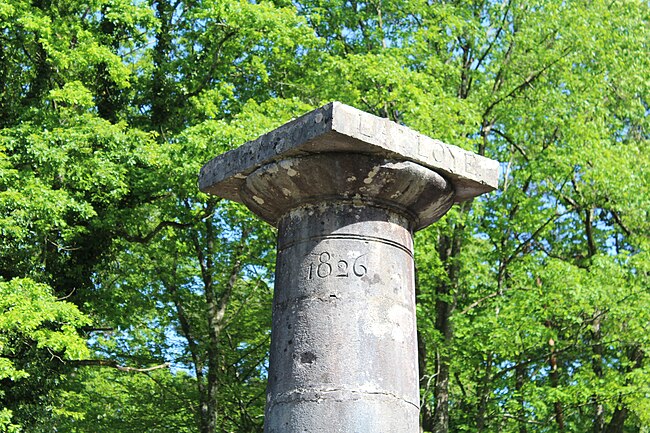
column 40, row 85
column 449, row 248
column 109, row 97
column 554, row 377
column 617, row 423
column 520, row 379
column 209, row 408
column 441, row 391
column 216, row 305
column 5, row 93
column 160, row 91
column 484, row 395
column 426, row 422
column 426, row 415
column 597, row 367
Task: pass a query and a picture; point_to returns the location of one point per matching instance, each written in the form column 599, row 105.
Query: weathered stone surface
column 343, row 345
column 418, row 192
column 346, row 190
column 337, row 127
column 344, row 335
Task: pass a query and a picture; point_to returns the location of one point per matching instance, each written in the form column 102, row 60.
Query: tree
column 532, row 301
column 538, row 86
column 34, row 326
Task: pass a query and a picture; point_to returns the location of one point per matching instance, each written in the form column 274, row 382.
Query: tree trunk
column 216, row 305
column 617, row 423
column 597, row 368
column 193, row 347
column 441, row 391
column 210, row 414
column 484, row 395
column 449, row 249
column 520, row 379
column 426, row 415
column 554, row 377
column 160, row 106
column 108, row 96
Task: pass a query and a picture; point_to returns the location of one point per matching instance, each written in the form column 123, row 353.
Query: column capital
column 336, row 127
column 418, row 193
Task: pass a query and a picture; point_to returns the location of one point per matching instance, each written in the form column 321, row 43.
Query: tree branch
column 116, row 365
column 161, row 225
column 484, row 298
column 512, row 142
column 232, row 280
column 589, row 229
column 89, row 329
column 213, row 68
column 533, row 237
column 527, row 82
column 496, row 37
column 620, row 223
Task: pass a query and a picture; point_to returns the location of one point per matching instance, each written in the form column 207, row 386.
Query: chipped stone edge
column 341, row 128
column 224, row 174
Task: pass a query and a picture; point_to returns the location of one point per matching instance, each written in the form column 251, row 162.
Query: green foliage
column 108, row 401
column 533, row 300
column 35, row 327
column 28, row 312
column 62, row 183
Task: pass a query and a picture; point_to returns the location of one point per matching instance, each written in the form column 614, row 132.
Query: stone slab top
column 337, row 127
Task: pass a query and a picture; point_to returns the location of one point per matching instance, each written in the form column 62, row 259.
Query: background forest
column 131, row 302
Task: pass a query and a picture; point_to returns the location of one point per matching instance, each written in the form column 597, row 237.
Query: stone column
column 346, row 190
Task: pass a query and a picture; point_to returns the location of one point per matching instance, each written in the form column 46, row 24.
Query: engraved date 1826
column 325, row 265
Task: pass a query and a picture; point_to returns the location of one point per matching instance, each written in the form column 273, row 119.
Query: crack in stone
column 318, row 395
column 327, row 297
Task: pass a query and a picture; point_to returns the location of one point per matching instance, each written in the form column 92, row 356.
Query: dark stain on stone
column 307, row 358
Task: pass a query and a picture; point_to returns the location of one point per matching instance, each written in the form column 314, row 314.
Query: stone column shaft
column 343, row 342
column 343, row 347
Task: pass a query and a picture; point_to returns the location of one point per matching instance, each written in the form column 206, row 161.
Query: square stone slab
column 337, row 127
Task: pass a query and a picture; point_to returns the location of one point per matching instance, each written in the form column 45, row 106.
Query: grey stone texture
column 346, row 190
column 343, row 345
column 337, row 127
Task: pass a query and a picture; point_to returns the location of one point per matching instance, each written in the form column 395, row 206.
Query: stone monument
column 346, row 191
